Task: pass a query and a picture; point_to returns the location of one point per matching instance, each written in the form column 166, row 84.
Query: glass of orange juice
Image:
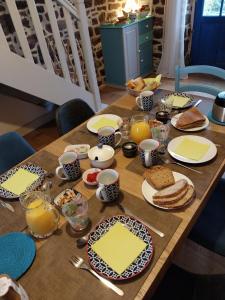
column 41, row 216
column 140, row 129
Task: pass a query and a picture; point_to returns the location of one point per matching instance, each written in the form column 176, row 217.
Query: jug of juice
column 140, row 129
column 41, row 216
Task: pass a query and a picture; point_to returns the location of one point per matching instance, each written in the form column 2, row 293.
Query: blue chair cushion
column 13, row 149
column 209, row 231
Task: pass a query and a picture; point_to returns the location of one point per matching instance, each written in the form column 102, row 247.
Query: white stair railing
column 71, row 10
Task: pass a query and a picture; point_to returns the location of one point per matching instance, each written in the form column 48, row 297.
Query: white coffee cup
column 108, row 181
column 148, row 151
column 69, row 168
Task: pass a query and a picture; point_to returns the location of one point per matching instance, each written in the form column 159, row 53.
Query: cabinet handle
column 142, row 60
column 146, row 26
column 139, row 51
column 146, row 37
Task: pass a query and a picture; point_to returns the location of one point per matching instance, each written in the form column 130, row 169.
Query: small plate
column 138, row 265
column 29, row 167
column 207, row 157
column 65, row 196
column 90, row 171
column 148, row 191
column 176, row 117
column 95, row 119
column 80, row 149
column 189, row 104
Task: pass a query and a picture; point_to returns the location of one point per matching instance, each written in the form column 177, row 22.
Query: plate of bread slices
column 190, row 120
column 166, row 189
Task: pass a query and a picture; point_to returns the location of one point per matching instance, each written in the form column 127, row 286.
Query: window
column 223, row 10
column 212, row 8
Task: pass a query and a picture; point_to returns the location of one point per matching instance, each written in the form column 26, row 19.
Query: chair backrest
column 201, row 69
column 13, row 149
column 72, row 114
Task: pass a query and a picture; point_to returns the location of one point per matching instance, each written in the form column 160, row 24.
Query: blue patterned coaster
column 17, row 252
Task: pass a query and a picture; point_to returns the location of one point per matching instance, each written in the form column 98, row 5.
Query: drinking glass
column 125, row 128
column 161, row 134
column 75, row 212
column 140, row 129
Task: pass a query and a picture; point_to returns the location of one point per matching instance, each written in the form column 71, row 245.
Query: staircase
column 53, row 81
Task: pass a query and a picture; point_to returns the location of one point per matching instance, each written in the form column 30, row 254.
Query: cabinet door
column 131, row 52
column 145, row 58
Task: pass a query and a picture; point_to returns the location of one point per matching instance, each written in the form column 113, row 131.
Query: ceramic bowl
column 80, row 149
column 90, row 171
column 129, row 149
column 101, row 156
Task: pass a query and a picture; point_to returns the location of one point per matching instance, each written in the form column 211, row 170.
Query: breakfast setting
column 110, row 203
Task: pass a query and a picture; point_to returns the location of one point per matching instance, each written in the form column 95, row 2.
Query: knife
column 7, row 205
column 161, row 234
column 197, row 103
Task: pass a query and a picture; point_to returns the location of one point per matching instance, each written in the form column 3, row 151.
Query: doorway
column 208, row 41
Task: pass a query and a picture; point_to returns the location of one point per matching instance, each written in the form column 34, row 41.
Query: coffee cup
column 69, row 168
column 108, row 136
column 148, row 151
column 108, row 181
column 145, row 100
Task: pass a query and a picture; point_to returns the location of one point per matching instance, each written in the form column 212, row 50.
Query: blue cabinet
column 127, row 50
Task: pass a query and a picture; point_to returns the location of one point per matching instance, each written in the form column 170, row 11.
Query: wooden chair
column 72, row 114
column 13, row 149
column 201, row 69
column 179, row 284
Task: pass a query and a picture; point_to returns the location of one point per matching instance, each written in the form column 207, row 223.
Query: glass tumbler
column 76, row 212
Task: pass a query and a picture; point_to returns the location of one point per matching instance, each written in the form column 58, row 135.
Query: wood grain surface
column 131, row 182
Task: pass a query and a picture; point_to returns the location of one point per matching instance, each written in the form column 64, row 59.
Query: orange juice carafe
column 140, row 129
column 41, row 216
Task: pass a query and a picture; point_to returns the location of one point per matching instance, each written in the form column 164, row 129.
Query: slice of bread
column 139, row 84
column 171, row 200
column 172, row 191
column 187, row 198
column 159, row 177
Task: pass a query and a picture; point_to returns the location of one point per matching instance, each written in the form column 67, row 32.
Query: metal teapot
column 218, row 111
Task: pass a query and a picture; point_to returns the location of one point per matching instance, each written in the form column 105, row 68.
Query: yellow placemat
column 119, row 247
column 191, row 149
column 102, row 122
column 19, row 181
column 178, row 101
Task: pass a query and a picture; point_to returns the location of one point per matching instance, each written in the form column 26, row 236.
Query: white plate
column 176, row 117
column 93, row 120
column 148, row 191
column 78, row 149
column 212, row 151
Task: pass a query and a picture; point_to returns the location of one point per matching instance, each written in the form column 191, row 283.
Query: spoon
column 6, row 205
column 81, row 242
column 167, row 161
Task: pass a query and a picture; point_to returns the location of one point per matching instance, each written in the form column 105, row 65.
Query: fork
column 79, row 263
column 167, row 161
column 7, row 205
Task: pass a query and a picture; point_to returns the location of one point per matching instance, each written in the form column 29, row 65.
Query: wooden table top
column 131, row 182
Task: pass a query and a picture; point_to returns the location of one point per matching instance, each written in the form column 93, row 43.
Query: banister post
column 87, row 50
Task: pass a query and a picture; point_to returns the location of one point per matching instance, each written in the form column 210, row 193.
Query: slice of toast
column 159, row 177
column 172, row 191
column 187, row 198
column 171, row 200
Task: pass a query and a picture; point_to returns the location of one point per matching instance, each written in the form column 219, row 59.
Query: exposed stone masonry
column 97, row 12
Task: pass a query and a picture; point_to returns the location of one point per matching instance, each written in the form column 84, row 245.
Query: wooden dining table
column 51, row 276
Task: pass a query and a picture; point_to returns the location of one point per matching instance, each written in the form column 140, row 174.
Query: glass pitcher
column 140, row 129
column 41, row 216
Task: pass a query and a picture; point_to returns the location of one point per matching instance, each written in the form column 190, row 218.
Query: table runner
column 51, row 266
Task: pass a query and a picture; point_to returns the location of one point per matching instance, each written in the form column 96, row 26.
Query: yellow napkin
column 191, row 149
column 102, row 122
column 178, row 101
column 119, row 247
column 19, row 181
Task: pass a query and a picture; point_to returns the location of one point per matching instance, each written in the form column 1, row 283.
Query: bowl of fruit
column 90, row 175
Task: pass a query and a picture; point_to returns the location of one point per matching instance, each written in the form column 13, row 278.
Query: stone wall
column 97, row 12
